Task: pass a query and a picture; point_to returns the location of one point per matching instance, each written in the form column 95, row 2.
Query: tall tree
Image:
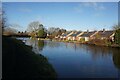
column 3, row 20
column 9, row 31
column 36, row 29
column 41, row 33
column 15, row 26
column 116, row 27
column 34, row 26
column 117, row 34
column 55, row 31
column 1, row 28
column 51, row 30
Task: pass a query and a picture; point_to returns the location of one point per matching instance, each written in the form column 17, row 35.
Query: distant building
column 64, row 36
column 57, row 37
column 87, row 35
column 74, row 36
column 105, row 35
column 78, row 35
column 48, row 35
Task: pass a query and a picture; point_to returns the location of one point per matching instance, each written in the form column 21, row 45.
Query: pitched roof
column 87, row 34
column 65, row 34
column 75, row 34
column 105, row 33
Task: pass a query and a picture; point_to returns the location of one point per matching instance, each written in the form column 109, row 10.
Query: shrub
column 82, row 40
column 117, row 37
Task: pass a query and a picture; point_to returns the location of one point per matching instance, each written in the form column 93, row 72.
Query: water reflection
column 37, row 45
column 98, row 51
column 102, row 61
column 116, row 58
column 52, row 44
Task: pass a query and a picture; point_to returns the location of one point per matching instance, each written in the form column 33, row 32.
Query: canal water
column 71, row 60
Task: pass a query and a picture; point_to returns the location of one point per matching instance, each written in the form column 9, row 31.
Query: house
column 64, row 36
column 78, row 36
column 105, row 35
column 87, row 35
column 74, row 35
column 57, row 37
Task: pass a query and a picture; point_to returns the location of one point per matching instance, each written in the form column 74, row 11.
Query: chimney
column 103, row 30
column 87, row 31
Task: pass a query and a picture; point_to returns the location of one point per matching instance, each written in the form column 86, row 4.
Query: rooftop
column 87, row 34
column 65, row 34
column 76, row 33
column 105, row 33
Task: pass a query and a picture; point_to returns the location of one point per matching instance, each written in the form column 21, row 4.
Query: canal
column 71, row 60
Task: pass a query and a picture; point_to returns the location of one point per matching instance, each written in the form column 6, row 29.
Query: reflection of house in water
column 72, row 45
column 66, row 44
column 98, row 51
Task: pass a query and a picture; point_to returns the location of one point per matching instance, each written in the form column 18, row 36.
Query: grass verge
column 19, row 62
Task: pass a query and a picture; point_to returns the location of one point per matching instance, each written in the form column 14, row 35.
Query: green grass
column 19, row 62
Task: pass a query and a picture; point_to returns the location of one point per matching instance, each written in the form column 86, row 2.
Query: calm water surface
column 72, row 60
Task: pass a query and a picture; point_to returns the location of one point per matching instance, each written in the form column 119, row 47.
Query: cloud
column 97, row 7
column 94, row 5
column 78, row 9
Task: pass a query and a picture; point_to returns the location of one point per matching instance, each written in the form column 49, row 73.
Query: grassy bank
column 92, row 42
column 19, row 62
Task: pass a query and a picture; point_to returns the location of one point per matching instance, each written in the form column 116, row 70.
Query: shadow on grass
column 19, row 62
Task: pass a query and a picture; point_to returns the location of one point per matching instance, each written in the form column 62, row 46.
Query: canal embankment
column 101, row 43
column 20, row 62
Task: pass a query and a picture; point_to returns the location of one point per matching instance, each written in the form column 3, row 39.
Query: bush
column 117, row 37
column 82, row 40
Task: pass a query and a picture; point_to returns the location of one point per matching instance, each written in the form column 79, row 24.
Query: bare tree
column 15, row 26
column 9, row 31
column 36, row 29
column 0, row 14
column 51, row 30
column 1, row 28
column 34, row 26
column 116, row 27
column 3, row 19
column 55, row 31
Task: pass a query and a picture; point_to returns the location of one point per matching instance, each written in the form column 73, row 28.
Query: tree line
column 117, row 34
column 35, row 29
column 38, row 30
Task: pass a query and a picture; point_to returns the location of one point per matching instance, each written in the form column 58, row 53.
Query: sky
column 68, row 15
column 60, row 0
